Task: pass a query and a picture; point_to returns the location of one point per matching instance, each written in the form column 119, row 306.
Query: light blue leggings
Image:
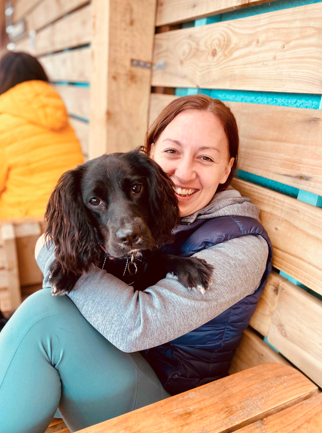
column 50, row 357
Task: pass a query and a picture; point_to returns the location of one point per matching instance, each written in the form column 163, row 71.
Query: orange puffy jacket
column 37, row 145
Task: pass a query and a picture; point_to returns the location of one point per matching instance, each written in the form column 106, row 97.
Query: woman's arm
column 133, row 320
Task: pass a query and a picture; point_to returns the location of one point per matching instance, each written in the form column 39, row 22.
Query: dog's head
column 124, row 201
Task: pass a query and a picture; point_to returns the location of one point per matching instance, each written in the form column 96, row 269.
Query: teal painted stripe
column 270, row 345
column 310, row 198
column 267, row 183
column 251, row 11
column 302, row 286
column 297, row 100
column 69, row 83
column 83, row 119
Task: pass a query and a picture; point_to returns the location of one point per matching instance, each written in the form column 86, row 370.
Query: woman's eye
column 206, row 158
column 94, row 201
column 136, row 188
column 170, row 151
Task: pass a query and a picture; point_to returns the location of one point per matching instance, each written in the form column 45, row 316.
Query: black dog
column 116, row 211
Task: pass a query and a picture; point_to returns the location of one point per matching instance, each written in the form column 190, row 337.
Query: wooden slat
column 281, row 143
column 296, row 330
column 11, row 264
column 304, row 417
column 21, row 7
column 271, row 140
column 278, row 51
column 262, row 318
column 29, row 272
column 253, row 351
column 82, row 133
column 2, row 261
column 72, row 66
column 50, row 10
column 295, row 230
column 71, row 31
column 120, row 91
column 221, row 406
column 76, row 99
column 157, row 103
column 172, row 12
column 23, row 45
column 57, row 425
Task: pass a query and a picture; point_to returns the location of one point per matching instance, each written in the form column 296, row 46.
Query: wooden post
column 123, row 34
column 3, row 34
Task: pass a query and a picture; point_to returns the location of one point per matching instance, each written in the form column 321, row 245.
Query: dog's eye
column 136, row 188
column 94, row 201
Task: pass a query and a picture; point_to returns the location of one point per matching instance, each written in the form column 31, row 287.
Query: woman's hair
column 18, row 67
column 200, row 103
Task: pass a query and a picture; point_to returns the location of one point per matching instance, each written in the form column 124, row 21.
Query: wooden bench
column 19, row 273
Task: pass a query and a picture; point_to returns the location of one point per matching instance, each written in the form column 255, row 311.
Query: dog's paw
column 193, row 273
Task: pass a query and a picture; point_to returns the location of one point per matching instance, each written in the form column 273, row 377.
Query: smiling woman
column 197, row 159
column 185, row 338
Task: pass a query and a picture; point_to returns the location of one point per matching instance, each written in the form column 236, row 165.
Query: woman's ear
column 152, row 151
column 228, row 169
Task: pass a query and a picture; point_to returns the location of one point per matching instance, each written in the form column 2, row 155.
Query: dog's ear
column 70, row 228
column 164, row 211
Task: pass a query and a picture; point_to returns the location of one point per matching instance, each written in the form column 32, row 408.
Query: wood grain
column 281, row 143
column 172, row 12
column 76, row 99
column 278, row 51
column 296, row 330
column 253, row 351
column 295, row 230
column 48, row 11
column 71, row 31
column 21, row 7
column 157, row 103
column 262, row 318
column 73, row 66
column 304, row 417
column 221, row 406
column 120, row 92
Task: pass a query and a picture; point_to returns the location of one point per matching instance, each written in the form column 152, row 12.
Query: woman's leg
column 51, row 356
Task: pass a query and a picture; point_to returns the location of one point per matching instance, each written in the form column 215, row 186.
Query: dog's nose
column 128, row 236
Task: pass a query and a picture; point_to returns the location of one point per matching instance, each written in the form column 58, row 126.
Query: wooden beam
column 221, row 406
column 71, row 31
column 172, row 12
column 48, row 11
column 120, row 91
column 304, row 417
column 21, row 7
column 295, row 230
column 76, row 99
column 3, row 33
column 73, row 65
column 279, row 51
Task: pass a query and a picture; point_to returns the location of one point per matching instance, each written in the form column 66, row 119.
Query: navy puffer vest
column 205, row 354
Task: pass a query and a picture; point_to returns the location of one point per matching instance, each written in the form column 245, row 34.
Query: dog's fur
column 121, row 203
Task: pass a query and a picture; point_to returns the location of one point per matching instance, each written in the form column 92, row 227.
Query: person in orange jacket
column 37, row 144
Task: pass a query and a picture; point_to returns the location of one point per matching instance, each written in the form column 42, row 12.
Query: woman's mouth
column 184, row 192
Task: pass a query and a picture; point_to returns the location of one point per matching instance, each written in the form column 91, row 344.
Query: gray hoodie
column 133, row 320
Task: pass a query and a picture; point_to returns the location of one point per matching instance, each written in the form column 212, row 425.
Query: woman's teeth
column 184, row 192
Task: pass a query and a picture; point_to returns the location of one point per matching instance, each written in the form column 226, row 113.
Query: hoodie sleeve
column 134, row 321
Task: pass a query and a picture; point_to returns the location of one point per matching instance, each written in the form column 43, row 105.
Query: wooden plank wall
column 264, row 61
column 59, row 34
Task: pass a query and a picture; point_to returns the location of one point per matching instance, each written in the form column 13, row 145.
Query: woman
column 37, row 144
column 188, row 337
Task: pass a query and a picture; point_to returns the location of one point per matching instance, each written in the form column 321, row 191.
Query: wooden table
column 269, row 398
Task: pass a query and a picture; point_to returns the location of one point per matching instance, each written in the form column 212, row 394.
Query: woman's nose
column 185, row 171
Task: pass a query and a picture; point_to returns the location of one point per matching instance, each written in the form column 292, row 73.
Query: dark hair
column 17, row 67
column 201, row 103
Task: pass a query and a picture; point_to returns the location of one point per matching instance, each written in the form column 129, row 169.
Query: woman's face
column 193, row 150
